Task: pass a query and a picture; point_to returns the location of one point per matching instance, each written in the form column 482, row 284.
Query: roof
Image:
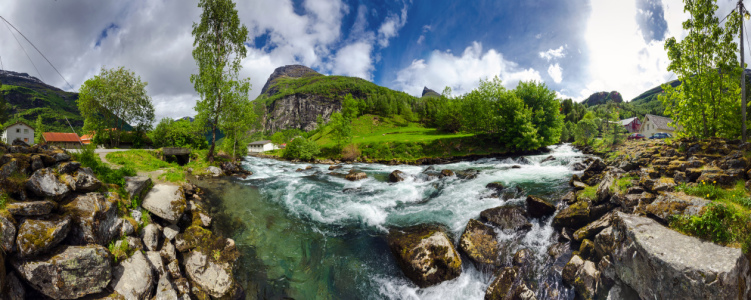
column 625, row 122
column 61, row 137
column 264, row 142
column 660, row 121
column 20, row 122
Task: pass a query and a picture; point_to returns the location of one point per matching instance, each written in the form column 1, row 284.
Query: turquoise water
column 311, row 235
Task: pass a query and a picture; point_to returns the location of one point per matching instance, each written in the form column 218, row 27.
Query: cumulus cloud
column 553, row 53
column 354, row 60
column 461, row 73
column 390, row 27
column 555, row 72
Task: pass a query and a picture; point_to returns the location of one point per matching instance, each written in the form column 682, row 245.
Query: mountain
column 294, row 96
column 426, row 92
column 28, row 97
column 603, row 98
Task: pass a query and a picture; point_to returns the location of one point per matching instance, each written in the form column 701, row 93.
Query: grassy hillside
column 27, row 102
column 327, row 86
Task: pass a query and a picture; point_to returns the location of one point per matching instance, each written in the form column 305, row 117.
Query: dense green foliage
column 3, row 106
column 88, row 158
column 707, row 103
column 181, row 133
column 27, row 103
column 112, row 100
column 301, row 148
column 719, row 223
column 39, row 129
column 586, row 130
column 218, row 50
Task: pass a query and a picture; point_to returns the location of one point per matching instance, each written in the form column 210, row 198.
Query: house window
column 18, row 130
column 26, row 140
column 25, row 131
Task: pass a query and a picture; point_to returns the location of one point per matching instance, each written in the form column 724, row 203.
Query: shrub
column 301, row 148
column 350, row 152
column 719, row 223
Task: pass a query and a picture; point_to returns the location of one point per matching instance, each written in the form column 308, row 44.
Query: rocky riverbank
column 611, row 227
column 65, row 234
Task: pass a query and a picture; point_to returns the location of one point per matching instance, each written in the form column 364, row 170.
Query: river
column 311, row 235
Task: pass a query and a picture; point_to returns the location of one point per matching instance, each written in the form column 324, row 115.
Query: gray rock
column 171, row 231
column 174, row 269
column 669, row 204
column 587, row 281
column 7, row 233
column 182, row 285
column 168, row 251
column 570, row 269
column 14, row 288
column 538, row 207
column 36, row 163
column 165, row 290
column 425, row 254
column 355, row 176
column 70, row 272
column 39, row 236
column 68, row 167
column 9, row 168
column 84, row 182
column 507, row 217
column 592, row 229
column 32, row 208
column 61, row 156
column 151, row 235
column 604, row 191
column 165, row 201
column 133, row 278
column 95, row 218
column 214, row 171
column 397, row 176
column 157, row 264
column 689, row 268
column 198, row 211
column 44, row 183
column 479, row 243
column 136, row 186
column 126, row 228
column 209, row 275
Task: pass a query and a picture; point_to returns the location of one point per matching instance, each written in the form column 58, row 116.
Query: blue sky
column 577, row 47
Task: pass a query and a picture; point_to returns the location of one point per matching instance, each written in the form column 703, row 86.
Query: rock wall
column 299, row 111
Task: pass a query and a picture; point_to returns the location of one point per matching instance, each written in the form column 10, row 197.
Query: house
column 19, row 131
column 87, row 138
column 653, row 124
column 631, row 124
column 62, row 139
column 261, row 146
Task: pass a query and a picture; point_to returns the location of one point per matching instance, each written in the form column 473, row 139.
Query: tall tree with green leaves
column 38, row 130
column 545, row 107
column 111, row 100
column 707, row 103
column 218, row 49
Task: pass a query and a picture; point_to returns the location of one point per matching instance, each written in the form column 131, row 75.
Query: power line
column 24, row 51
column 37, row 49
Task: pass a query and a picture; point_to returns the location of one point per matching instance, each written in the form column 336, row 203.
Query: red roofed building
column 62, row 139
column 87, row 138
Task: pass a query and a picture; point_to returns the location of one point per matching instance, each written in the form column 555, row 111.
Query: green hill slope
column 28, row 97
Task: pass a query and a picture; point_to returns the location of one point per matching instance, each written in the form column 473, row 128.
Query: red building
column 631, row 124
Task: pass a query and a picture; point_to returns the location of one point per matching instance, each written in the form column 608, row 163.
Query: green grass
column 588, row 193
column 624, row 183
column 736, row 196
column 147, row 161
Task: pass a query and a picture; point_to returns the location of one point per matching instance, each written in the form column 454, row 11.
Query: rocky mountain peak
column 293, row 71
column 428, row 92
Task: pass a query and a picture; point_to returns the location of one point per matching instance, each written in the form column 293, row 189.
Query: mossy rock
column 479, row 242
column 38, row 236
column 574, row 216
column 425, row 254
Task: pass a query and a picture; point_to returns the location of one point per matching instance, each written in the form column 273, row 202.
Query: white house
column 261, row 146
column 19, row 131
column 653, row 124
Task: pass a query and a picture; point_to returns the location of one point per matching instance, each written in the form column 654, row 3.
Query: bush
column 350, row 152
column 719, row 223
column 88, row 158
column 301, row 148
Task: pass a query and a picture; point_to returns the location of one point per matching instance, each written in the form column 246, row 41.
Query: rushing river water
column 311, row 235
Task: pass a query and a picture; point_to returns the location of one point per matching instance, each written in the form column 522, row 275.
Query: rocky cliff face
column 299, row 111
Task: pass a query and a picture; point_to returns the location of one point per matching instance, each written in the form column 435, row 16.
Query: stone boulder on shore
column 165, row 201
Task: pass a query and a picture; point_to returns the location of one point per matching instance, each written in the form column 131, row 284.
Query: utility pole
column 741, row 11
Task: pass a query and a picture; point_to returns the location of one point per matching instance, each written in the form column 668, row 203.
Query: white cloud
column 461, row 73
column 421, row 39
column 354, row 60
column 553, row 53
column 556, row 73
column 391, row 26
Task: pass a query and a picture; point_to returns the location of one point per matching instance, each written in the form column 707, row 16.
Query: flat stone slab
column 165, row 201
column 660, row 263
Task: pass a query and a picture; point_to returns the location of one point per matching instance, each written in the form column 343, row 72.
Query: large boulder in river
column 70, row 272
column 133, row 278
column 165, row 201
column 39, row 236
column 425, row 254
column 356, row 175
column 660, row 263
column 44, row 183
column 506, row 286
column 538, row 208
column 95, row 218
column 211, row 276
column 397, row 176
column 479, row 243
column 510, row 218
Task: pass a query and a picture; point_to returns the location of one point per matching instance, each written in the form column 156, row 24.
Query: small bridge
column 181, row 155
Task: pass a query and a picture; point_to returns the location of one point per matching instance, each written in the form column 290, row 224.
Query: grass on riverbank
column 147, row 161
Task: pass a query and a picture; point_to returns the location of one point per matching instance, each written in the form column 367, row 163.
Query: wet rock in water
column 165, row 201
column 397, row 176
column 573, row 216
column 505, row 286
column 496, row 186
column 425, row 254
column 7, row 232
column 209, row 275
column 578, row 166
column 133, row 278
column 70, row 272
column 516, row 167
column 39, row 236
column 689, row 267
column 214, row 171
column 479, row 243
column 670, row 204
column 547, row 159
column 335, row 167
column 32, row 208
column 467, row 174
column 538, row 208
column 521, row 257
column 94, row 217
column 44, row 183
column 136, row 186
column 523, row 160
column 507, row 217
column 446, row 173
column 355, row 176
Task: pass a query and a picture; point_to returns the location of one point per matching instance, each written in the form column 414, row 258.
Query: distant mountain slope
column 603, row 98
column 29, row 97
column 294, row 96
column 426, row 92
